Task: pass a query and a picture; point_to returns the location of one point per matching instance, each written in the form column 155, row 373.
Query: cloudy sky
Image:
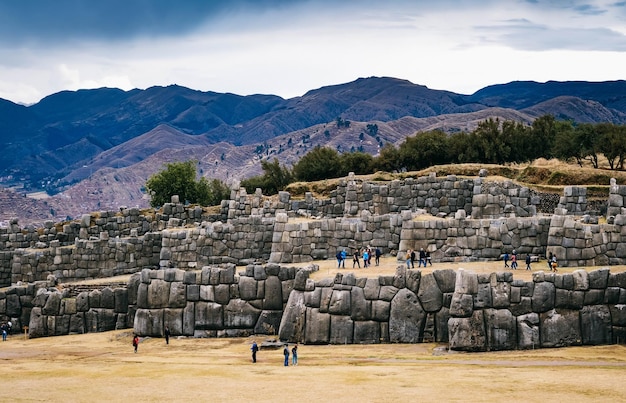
column 287, row 47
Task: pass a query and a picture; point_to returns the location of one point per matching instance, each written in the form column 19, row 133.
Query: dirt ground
column 103, row 367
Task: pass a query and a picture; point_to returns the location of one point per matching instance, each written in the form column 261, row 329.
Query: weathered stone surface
column 239, row 314
column 148, row 322
column 107, row 299
column 543, row 297
column 121, row 300
column 208, row 316
column 560, row 328
column 313, row 299
column 441, row 325
column 189, row 319
column 273, row 294
column 581, row 280
column 361, row 309
column 446, row 279
column 268, row 322
column 248, row 288
column 381, row 310
column 406, row 318
column 413, row 278
column 467, row 334
column 598, row 278
column 595, row 323
column 528, row 331
column 501, row 295
column 618, row 315
column 292, row 324
column 462, row 305
column 317, row 327
column 177, row 295
column 501, row 329
column 366, row 332
column 341, row 330
column 387, row 292
column 53, row 304
column 158, row 294
column 172, row 318
column 466, row 282
column 429, row 293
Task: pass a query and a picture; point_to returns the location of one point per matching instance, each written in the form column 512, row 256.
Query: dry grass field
column 103, row 367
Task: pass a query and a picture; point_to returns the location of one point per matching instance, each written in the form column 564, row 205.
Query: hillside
column 94, row 149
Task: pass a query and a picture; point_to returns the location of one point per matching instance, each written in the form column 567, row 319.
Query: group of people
column 365, row 253
column 294, row 353
column 424, row 258
column 6, row 329
column 552, row 264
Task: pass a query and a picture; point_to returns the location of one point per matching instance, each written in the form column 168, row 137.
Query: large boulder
column 292, row 324
column 406, row 318
column 317, row 327
column 148, row 322
column 467, row 334
column 501, row 329
column 273, row 294
column 366, row 332
column 528, row 331
column 209, row 316
column 429, row 293
column 268, row 322
column 341, row 330
column 239, row 314
column 361, row 309
column 595, row 323
column 560, row 328
column 543, row 297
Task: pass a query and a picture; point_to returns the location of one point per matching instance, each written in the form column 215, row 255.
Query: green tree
column 389, row 159
column 319, row 163
column 612, row 143
column 358, row 162
column 274, row 179
column 179, row 178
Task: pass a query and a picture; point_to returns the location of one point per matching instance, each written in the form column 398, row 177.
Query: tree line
column 492, row 142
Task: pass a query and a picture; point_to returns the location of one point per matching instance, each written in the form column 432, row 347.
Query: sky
column 288, row 47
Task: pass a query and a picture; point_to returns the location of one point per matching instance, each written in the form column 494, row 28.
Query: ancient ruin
column 232, row 274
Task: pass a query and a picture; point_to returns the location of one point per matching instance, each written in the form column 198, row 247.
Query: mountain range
column 94, row 149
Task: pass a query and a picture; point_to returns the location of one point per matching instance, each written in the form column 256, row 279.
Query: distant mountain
column 97, row 147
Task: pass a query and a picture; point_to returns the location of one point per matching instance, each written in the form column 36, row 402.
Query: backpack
column 338, row 255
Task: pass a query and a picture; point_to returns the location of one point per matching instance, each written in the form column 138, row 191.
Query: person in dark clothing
column 422, row 258
column 528, row 262
column 286, row 354
column 167, row 335
column 412, row 259
column 378, row 254
column 254, row 349
column 355, row 259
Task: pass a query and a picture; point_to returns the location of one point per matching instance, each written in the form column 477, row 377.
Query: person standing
column 344, row 255
column 355, row 259
column 412, row 259
column 408, row 259
column 254, row 349
column 366, row 258
column 514, row 261
column 135, row 342
column 378, row 254
column 286, row 354
column 422, row 258
column 3, row 328
column 528, row 262
column 428, row 260
column 167, row 335
column 294, row 355
column 506, row 259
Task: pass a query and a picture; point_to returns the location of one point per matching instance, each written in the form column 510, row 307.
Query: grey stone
column 406, row 318
column 467, row 334
column 317, row 327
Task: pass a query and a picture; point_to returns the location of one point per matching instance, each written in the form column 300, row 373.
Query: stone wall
column 496, row 312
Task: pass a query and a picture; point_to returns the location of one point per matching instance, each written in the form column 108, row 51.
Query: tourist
column 553, row 264
column 408, row 258
column 294, row 355
column 412, row 259
column 135, row 342
column 528, row 262
column 369, row 256
column 428, row 259
column 355, row 259
column 505, row 257
column 514, row 261
column 286, row 354
column 3, row 328
column 366, row 257
column 9, row 327
column 254, row 349
column 422, row 258
column 167, row 335
column 344, row 255
column 378, row 253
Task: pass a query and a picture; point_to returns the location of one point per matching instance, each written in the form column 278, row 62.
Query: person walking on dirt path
column 378, row 253
column 135, row 342
column 167, row 335
column 528, row 262
column 286, row 354
column 355, row 259
column 506, row 259
column 254, row 349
